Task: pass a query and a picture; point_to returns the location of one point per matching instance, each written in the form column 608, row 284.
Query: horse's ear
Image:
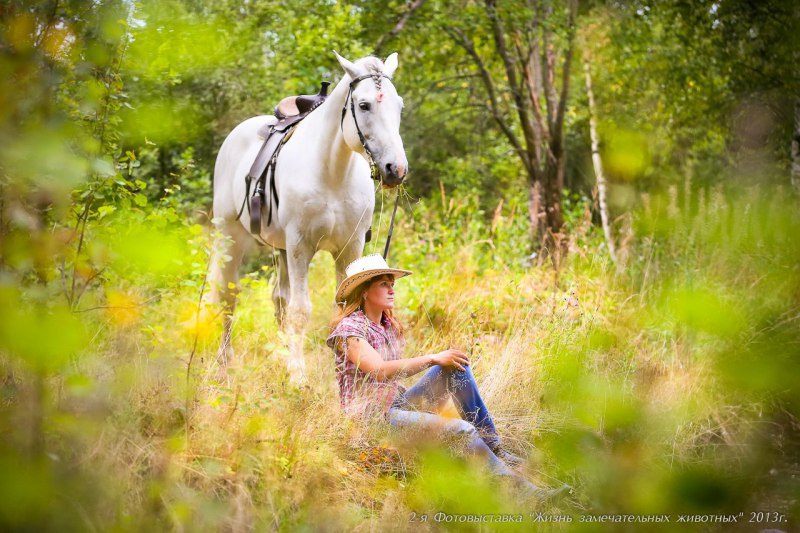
column 351, row 68
column 390, row 65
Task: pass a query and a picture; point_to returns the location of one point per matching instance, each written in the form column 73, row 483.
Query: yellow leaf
column 123, row 308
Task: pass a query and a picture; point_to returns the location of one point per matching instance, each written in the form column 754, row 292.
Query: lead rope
column 391, row 227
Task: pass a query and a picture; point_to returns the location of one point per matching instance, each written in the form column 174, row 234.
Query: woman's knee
column 454, row 372
column 461, row 377
column 462, row 427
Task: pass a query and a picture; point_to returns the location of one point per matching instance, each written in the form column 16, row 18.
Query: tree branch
column 414, row 106
column 462, row 40
column 511, row 76
column 548, row 66
column 562, row 100
column 51, row 18
column 529, row 72
column 411, row 6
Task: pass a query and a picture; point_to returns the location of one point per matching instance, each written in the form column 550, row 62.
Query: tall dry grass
column 647, row 391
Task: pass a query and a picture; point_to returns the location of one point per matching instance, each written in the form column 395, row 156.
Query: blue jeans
column 415, row 409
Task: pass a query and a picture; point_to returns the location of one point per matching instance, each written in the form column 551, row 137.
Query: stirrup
column 255, row 214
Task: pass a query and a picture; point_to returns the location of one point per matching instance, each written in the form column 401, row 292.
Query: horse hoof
column 297, row 371
column 298, row 378
column 221, row 376
column 224, row 357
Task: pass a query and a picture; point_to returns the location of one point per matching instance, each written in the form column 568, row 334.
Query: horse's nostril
column 389, row 168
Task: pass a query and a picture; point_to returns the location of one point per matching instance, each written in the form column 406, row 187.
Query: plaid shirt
column 362, row 394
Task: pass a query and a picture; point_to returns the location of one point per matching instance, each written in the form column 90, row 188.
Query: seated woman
column 368, row 342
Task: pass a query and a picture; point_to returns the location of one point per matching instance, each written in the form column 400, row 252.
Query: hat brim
column 351, row 282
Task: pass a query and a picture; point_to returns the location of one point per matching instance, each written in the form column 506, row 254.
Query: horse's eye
column 364, row 106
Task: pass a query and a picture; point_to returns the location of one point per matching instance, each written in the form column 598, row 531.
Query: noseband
column 375, row 171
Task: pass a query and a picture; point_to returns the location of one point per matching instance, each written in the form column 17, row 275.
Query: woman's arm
column 364, row 356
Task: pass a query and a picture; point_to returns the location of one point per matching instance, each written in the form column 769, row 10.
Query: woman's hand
column 451, row 357
column 364, row 356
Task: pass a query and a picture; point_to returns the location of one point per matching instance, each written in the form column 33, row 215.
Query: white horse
column 326, row 196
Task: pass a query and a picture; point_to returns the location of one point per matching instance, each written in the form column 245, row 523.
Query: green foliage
column 688, row 81
column 21, row 334
column 666, row 386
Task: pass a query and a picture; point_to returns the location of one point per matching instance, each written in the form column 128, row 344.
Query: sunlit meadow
column 665, row 384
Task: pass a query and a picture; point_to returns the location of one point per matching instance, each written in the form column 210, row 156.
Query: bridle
column 375, row 173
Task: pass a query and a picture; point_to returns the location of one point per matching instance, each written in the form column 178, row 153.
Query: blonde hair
column 355, row 302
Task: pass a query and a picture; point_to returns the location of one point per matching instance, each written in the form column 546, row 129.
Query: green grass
column 666, row 389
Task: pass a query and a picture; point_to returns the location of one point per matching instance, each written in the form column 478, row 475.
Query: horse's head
column 371, row 124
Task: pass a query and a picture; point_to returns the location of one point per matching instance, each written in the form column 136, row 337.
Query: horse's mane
column 374, row 67
column 372, row 64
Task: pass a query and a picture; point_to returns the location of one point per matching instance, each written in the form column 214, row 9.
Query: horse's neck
column 331, row 108
column 325, row 125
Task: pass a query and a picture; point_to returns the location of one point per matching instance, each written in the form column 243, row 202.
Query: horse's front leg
column 347, row 255
column 298, row 312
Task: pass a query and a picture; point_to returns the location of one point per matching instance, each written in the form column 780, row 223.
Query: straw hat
column 361, row 270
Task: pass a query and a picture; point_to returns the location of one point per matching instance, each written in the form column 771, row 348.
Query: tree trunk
column 555, row 161
column 597, row 163
column 529, row 56
column 554, row 217
column 796, row 148
column 535, row 214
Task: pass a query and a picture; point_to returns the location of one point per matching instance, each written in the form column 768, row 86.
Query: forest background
column 623, row 268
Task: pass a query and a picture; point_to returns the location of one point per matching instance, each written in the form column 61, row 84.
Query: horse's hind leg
column 233, row 241
column 298, row 311
column 280, row 293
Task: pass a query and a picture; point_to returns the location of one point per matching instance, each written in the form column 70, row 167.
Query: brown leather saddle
column 289, row 112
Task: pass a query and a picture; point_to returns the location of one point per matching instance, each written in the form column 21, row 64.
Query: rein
column 391, row 227
column 375, row 171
